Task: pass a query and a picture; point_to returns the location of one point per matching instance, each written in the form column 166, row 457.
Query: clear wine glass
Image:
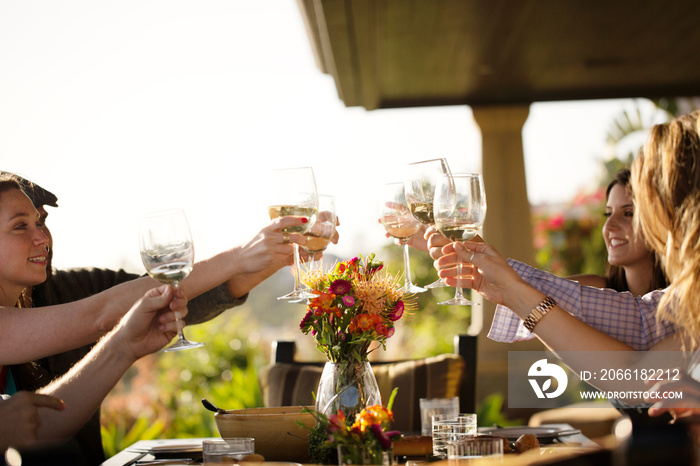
column 459, row 208
column 421, row 178
column 167, row 252
column 292, row 192
column 400, row 224
column 319, row 235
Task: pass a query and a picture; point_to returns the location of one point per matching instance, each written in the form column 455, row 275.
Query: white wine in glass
column 318, row 237
column 421, row 178
column 292, row 192
column 400, row 224
column 167, row 253
column 459, row 209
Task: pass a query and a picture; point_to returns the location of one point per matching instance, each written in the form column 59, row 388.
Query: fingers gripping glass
column 167, row 253
column 421, row 178
column 292, row 192
column 460, row 210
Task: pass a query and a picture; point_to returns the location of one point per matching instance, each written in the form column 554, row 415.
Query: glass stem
column 407, row 266
column 458, row 288
column 178, row 320
column 297, row 269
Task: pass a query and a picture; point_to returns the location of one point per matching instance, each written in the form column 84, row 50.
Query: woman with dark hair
column 632, row 265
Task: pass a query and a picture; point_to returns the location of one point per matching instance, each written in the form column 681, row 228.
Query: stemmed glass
column 292, row 192
column 400, row 224
column 319, row 235
column 459, row 208
column 420, row 191
column 167, row 252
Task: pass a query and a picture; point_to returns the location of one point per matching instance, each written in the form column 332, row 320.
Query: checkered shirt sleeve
column 629, row 319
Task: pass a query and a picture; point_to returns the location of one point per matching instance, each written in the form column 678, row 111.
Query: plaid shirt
column 629, row 319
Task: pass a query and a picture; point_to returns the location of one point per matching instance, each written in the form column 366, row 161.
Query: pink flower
column 397, row 312
column 348, row 300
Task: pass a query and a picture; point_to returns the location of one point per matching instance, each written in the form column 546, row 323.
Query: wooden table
column 138, row 453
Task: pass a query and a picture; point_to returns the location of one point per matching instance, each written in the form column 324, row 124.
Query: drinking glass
column 319, row 235
column 459, row 208
column 167, row 252
column 292, row 192
column 421, row 178
column 400, row 224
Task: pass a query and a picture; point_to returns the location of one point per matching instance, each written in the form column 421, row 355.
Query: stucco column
column 507, row 226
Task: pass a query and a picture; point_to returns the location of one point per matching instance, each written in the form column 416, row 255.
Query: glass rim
column 441, row 159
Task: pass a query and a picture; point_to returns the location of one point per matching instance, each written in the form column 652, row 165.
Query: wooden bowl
column 278, row 437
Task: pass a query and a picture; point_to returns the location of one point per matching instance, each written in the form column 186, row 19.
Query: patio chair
column 287, row 382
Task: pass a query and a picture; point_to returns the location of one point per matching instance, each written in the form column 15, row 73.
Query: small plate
column 543, row 434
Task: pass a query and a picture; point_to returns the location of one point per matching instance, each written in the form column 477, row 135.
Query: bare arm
column 84, row 387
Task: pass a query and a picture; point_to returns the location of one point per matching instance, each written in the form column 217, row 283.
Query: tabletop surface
column 189, row 451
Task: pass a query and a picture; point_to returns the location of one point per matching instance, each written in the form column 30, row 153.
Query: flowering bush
column 354, row 305
column 568, row 238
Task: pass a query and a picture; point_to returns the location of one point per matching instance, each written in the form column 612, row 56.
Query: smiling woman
column 23, row 244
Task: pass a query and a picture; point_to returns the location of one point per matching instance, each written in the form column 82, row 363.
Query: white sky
column 121, row 107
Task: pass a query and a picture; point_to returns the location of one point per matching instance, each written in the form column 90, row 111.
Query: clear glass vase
column 364, row 454
column 349, row 387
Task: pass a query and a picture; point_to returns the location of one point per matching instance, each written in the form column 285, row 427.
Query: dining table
column 559, row 442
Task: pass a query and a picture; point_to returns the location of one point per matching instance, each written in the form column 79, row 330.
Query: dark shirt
column 66, row 286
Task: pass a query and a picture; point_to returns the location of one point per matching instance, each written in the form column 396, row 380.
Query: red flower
column 340, row 287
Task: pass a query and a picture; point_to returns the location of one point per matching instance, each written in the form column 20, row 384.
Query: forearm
column 83, row 388
column 54, row 329
column 558, row 329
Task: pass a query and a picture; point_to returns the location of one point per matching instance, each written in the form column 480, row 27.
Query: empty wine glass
column 167, row 252
column 292, row 192
column 421, row 178
column 459, row 208
column 400, row 224
column 319, row 235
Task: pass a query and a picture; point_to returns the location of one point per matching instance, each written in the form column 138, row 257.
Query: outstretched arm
column 84, row 387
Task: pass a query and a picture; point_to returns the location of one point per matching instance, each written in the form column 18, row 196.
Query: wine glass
column 292, row 192
column 319, row 235
column 459, row 208
column 420, row 191
column 400, row 224
column 167, row 252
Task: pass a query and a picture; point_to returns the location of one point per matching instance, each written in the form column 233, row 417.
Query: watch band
column 538, row 312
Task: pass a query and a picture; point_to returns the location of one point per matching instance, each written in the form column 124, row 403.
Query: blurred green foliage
column 160, row 396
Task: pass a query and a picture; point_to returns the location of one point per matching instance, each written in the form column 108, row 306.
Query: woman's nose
column 40, row 237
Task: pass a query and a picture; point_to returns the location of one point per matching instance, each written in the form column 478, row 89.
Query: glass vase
column 349, row 387
column 364, row 454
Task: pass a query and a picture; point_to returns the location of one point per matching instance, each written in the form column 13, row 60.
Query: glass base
column 413, row 289
column 182, row 344
column 439, row 283
column 296, row 296
column 460, row 302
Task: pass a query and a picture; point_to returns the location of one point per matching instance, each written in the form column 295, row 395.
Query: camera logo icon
column 541, row 369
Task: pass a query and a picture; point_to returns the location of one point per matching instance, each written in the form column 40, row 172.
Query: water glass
column 449, row 431
column 474, row 447
column 431, row 406
column 228, row 451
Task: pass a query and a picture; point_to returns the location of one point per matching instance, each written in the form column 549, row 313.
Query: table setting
column 352, row 309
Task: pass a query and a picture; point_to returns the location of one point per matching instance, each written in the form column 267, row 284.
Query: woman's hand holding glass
column 421, row 178
column 323, row 231
column 459, row 208
column 292, row 192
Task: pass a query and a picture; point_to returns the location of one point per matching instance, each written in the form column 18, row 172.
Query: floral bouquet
column 354, row 305
column 365, row 441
